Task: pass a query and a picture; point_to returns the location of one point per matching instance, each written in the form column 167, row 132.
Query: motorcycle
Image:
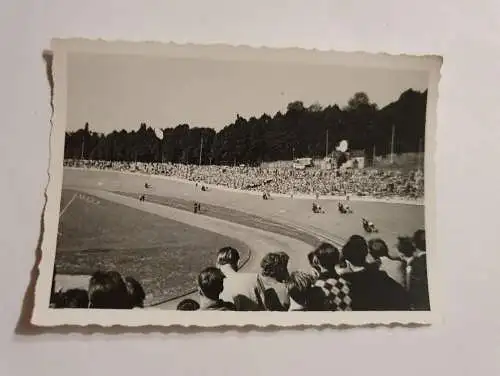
column 369, row 226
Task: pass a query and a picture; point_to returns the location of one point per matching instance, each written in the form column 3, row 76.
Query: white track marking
column 67, row 205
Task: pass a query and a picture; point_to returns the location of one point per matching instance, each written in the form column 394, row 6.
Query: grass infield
column 164, row 255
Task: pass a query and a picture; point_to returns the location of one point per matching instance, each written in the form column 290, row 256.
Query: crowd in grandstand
column 356, row 182
column 359, row 277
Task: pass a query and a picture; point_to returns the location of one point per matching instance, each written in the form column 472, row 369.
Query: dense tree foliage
column 299, row 132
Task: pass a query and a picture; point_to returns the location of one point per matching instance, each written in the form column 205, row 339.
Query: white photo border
column 44, row 316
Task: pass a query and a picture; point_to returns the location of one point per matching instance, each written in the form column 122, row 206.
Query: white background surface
column 466, row 33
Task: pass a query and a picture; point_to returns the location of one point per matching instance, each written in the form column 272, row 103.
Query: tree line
column 301, row 131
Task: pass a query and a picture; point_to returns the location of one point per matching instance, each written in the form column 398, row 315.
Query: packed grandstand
column 369, row 182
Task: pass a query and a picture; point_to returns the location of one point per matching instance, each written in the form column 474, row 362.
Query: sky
column 114, row 92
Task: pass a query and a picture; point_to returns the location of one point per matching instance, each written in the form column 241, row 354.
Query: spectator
column 419, row 241
column 188, row 305
column 406, row 249
column 419, row 285
column 72, row 298
column 331, row 292
column 313, row 262
column 379, row 251
column 271, row 290
column 76, row 298
column 300, row 286
column 413, row 254
column 284, row 180
column 57, row 299
column 210, row 286
column 107, row 290
column 371, row 289
column 136, row 292
column 239, row 288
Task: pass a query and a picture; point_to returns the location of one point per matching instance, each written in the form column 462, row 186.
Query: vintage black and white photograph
column 290, row 186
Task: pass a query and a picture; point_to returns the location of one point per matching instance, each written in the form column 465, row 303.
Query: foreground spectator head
column 378, row 248
column 228, row 256
column 57, row 300
column 299, row 286
column 355, row 250
column 188, row 305
column 72, row 298
column 76, row 298
column 419, row 240
column 136, row 292
column 275, row 265
column 405, row 246
column 211, row 283
column 324, row 257
column 107, row 290
column 311, row 256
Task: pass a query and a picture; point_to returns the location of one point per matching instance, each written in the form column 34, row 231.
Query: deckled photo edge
column 43, row 316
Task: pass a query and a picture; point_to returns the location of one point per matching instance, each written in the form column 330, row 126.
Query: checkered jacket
column 336, row 293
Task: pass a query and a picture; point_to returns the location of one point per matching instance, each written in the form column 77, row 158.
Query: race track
column 391, row 219
column 260, row 242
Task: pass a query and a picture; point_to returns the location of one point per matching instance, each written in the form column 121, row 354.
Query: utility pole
column 392, row 143
column 83, row 148
column 326, row 145
column 160, row 154
column 419, row 153
column 85, row 134
column 374, row 154
column 201, row 148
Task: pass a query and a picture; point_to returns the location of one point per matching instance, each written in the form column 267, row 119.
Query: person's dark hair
column 326, row 255
column 107, row 290
column 188, row 305
column 75, row 298
column 135, row 291
column 72, row 298
column 228, row 255
column 378, row 248
column 311, row 257
column 57, row 300
column 355, row 250
column 419, row 239
column 299, row 286
column 406, row 246
column 275, row 265
column 211, row 282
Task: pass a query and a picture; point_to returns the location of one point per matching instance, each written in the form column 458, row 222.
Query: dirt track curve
column 294, row 214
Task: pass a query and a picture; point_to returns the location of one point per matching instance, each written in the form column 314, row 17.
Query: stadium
column 126, row 217
column 294, row 186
